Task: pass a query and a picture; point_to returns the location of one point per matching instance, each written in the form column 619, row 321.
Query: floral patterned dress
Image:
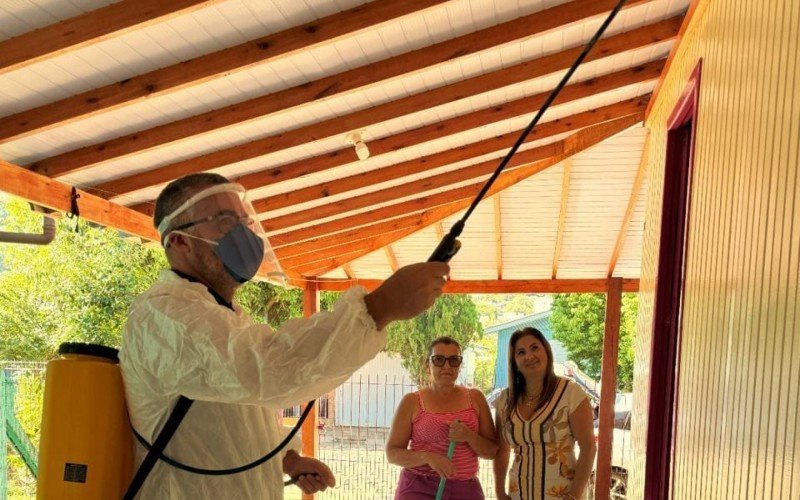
column 544, row 447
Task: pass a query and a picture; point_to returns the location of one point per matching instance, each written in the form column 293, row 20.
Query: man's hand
column 310, row 474
column 407, row 293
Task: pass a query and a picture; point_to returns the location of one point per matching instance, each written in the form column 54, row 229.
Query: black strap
column 159, row 444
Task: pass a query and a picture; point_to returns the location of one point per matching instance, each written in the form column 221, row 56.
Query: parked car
column 620, row 455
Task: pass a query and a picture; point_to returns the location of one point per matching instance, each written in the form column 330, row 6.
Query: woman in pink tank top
column 426, row 421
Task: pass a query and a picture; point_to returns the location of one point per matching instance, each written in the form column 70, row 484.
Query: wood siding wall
column 738, row 429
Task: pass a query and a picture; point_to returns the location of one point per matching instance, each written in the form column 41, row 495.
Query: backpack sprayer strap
column 156, row 451
column 159, row 444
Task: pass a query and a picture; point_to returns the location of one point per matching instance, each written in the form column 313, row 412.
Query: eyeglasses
column 224, row 221
column 455, row 361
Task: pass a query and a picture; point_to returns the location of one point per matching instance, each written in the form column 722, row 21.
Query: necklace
column 531, row 400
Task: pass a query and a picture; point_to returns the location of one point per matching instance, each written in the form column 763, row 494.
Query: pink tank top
column 429, row 432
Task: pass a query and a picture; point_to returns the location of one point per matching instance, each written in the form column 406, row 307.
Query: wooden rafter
column 91, row 27
column 500, row 286
column 287, row 247
column 632, row 200
column 498, row 235
column 203, row 68
column 391, row 257
column 521, row 107
column 56, row 195
column 578, row 142
column 562, row 215
column 335, row 84
column 425, row 100
column 348, row 270
column 439, row 231
column 589, row 118
column 456, row 198
column 349, row 241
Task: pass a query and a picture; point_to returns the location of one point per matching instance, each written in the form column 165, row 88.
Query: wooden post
column 310, row 435
column 608, row 388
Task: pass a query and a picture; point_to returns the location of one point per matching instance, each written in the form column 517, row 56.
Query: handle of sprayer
column 449, row 246
column 450, row 450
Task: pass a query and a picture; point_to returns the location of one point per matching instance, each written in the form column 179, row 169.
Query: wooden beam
column 390, row 256
column 499, row 286
column 354, row 240
column 460, row 198
column 309, row 430
column 336, row 84
column 92, row 27
column 496, row 144
column 439, row 231
column 562, row 215
column 525, row 106
column 394, row 109
column 342, row 247
column 56, row 195
column 632, row 200
column 287, row 247
column 204, row 68
column 498, row 236
column 348, row 270
column 608, row 388
column 695, row 11
column 353, row 252
column 576, row 143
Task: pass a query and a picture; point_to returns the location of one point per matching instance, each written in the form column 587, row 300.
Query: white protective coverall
column 179, row 341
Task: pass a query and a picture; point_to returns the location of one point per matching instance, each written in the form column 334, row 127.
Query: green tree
column 486, row 350
column 578, row 322
column 452, row 315
column 78, row 288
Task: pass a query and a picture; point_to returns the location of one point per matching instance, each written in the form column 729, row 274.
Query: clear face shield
column 222, row 216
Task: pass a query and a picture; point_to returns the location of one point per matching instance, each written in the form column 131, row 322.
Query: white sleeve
column 205, row 352
column 575, row 396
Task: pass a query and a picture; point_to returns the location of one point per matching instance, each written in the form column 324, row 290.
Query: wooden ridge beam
column 349, row 80
column 91, row 27
column 202, row 69
column 576, row 143
column 496, row 144
column 497, row 286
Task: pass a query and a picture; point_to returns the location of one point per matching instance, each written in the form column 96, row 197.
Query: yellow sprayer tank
column 86, row 450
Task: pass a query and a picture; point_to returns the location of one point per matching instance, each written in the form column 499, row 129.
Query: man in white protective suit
column 184, row 337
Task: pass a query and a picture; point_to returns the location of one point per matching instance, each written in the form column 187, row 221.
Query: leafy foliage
column 451, row 315
column 578, row 322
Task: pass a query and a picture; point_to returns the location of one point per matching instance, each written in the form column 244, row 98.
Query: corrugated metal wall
column 738, row 432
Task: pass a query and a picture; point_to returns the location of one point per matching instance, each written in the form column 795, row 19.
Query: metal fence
column 22, row 388
column 353, row 441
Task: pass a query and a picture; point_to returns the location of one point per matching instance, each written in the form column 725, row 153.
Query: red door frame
column 667, row 316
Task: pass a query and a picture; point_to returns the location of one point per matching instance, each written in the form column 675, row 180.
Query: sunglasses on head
column 455, row 361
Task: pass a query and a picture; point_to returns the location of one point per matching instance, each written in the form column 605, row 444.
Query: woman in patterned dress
column 541, row 416
column 425, row 423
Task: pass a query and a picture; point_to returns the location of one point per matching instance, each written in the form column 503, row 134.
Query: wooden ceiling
column 118, row 99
